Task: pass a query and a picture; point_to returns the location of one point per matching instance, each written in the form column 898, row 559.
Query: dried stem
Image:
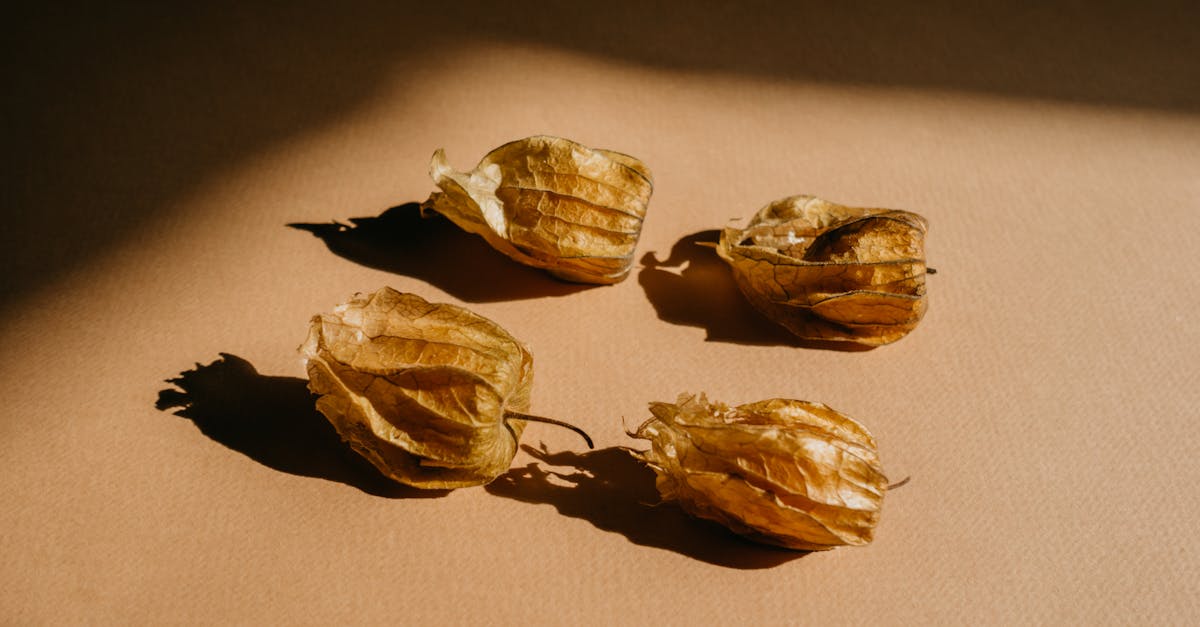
column 899, row 483
column 513, row 415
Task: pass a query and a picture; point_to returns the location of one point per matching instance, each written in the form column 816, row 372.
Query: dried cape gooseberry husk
column 784, row 472
column 828, row 272
column 427, row 392
column 550, row 203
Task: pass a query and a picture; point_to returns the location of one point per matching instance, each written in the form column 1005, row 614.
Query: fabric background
column 1045, row 408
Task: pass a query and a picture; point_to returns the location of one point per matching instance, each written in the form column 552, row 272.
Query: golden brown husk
column 828, row 272
column 551, row 203
column 420, row 389
column 784, row 472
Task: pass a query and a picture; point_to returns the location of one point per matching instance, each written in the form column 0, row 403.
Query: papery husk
column 784, row 472
column 828, row 272
column 420, row 389
column 550, row 203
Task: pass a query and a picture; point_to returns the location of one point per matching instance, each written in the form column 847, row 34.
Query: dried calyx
column 433, row 395
column 784, row 472
column 551, row 203
column 828, row 272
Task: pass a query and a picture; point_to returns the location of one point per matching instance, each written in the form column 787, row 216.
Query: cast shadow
column 694, row 287
column 138, row 106
column 273, row 421
column 615, row 492
column 431, row 248
column 1110, row 53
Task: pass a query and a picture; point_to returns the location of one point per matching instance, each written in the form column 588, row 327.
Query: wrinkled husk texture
column 420, row 389
column 550, row 203
column 783, row 472
column 828, row 272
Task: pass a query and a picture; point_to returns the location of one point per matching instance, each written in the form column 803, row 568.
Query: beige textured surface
column 1045, row 407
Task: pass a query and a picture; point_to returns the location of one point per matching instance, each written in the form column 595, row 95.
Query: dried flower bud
column 421, row 390
column 551, row 203
column 783, row 472
column 829, row 272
